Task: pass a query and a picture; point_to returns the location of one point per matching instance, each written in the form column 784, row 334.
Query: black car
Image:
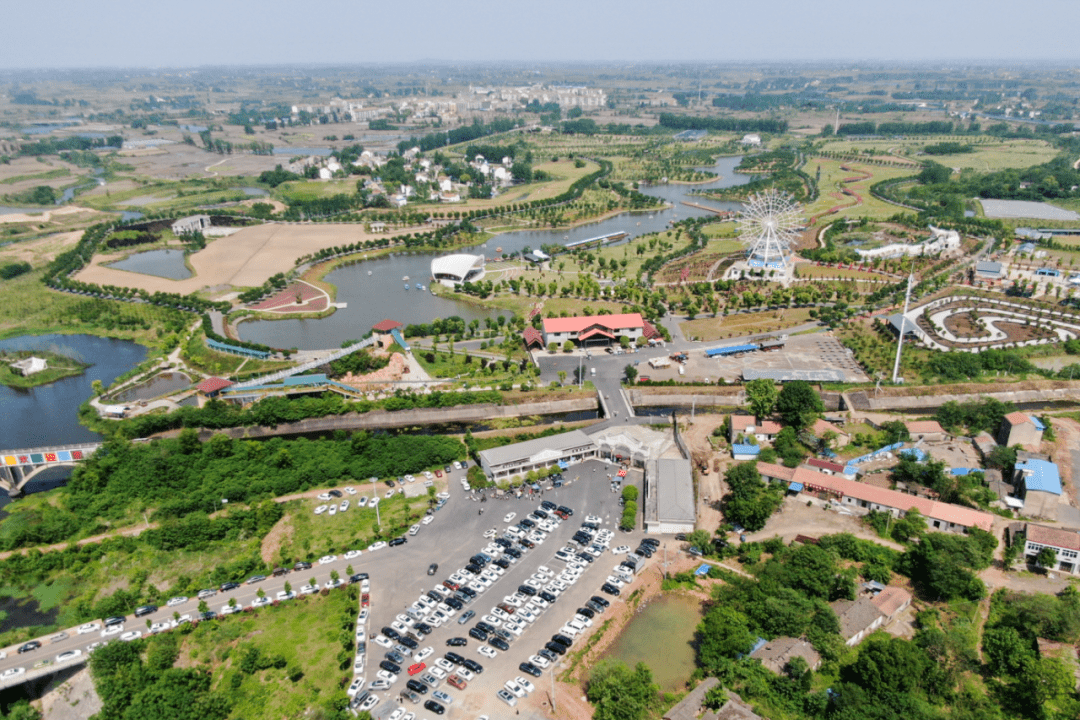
column 434, row 707
column 526, row 590
column 540, row 515
column 423, row 628
column 499, row 643
column 503, row 542
column 454, row 658
column 651, row 542
column 448, row 469
column 555, row 648
column 585, row 557
column 395, row 657
column 504, row 564
column 563, row 508
column 417, row 687
column 434, row 596
column 526, row 543
column 590, row 526
column 468, row 591
column 32, row 645
column 479, row 559
column 681, row 537
column 548, row 597
column 527, row 667
column 548, row 505
column 433, row 568
column 229, row 586
column 595, row 607
column 586, row 612
column 115, row 620
column 454, row 603
column 208, row 615
column 473, row 666
column 473, row 569
column 335, row 493
column 600, row 601
column 457, row 642
column 390, row 667
column 485, row 627
column 145, row 610
column 391, row 633
column 644, row 551
column 562, row 639
column 301, row 565
column 397, row 541
column 478, row 634
column 610, row 589
column 353, row 579
column 526, row 523
column 409, row 643
column 514, row 553
column 504, row 634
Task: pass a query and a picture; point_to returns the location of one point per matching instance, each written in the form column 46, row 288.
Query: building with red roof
column 594, row 329
column 211, row 386
column 533, row 338
column 385, row 326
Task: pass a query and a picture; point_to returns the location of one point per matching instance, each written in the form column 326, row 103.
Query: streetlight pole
column 552, row 673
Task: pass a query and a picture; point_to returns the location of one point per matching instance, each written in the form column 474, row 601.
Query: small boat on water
column 406, row 286
column 419, row 286
column 368, row 272
column 406, row 278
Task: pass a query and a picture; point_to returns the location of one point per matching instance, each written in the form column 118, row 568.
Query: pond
column 161, row 384
column 374, row 289
column 661, row 635
column 166, row 263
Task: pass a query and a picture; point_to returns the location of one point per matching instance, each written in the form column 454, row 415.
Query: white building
column 517, row 459
column 29, row 366
column 752, row 139
column 940, row 241
column 190, row 224
column 1064, row 543
column 451, row 270
column 669, row 496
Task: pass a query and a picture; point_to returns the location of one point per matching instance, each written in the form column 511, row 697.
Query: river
column 373, row 289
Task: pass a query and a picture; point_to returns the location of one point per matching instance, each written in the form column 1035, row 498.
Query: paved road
column 399, row 575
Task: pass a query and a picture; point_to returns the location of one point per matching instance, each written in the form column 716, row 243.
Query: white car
column 389, row 493
column 326, row 559
column 414, row 529
column 410, row 478
column 593, row 519
column 131, row 635
column 383, row 641
column 376, row 546
column 282, row 596
column 112, row 630
column 428, row 475
column 88, row 628
column 308, row 589
column 387, row 676
column 363, row 616
column 457, row 465
column 261, row 602
column 372, row 701
column 443, row 495
column 465, row 674
column 397, row 714
column 320, row 510
column 355, row 688
column 374, row 501
column 427, row 519
column 343, row 506
column 331, row 584
column 400, row 626
column 362, row 502
column 569, row 631
column 509, row 517
column 525, row 684
column 185, row 618
column 350, row 489
column 445, row 664
column 513, row 687
column 12, row 672
column 540, row 661
column 324, row 496
column 438, row 672
column 352, row 554
column 158, row 627
column 176, row 601
column 487, row 651
column 490, row 533
column 332, row 510
column 424, row 654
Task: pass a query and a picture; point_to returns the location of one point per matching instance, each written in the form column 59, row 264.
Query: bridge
column 18, row 467
column 310, row 365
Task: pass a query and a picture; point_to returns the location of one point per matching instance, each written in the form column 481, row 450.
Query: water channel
column 661, row 636
column 373, row 289
column 166, row 263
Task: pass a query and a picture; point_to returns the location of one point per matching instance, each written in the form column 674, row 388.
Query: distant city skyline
column 124, row 33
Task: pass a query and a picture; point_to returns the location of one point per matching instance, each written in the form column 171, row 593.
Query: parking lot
column 450, row 541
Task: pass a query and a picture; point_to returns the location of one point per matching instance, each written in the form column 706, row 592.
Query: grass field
column 990, row 153
column 808, row 270
column 305, row 632
column 831, row 177
column 719, row 328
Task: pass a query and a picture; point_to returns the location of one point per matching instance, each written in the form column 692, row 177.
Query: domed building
column 451, row 270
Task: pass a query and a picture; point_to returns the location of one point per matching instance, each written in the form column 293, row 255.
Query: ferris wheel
column 768, row 226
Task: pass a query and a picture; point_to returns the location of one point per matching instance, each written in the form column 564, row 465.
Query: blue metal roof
column 1037, row 423
column 738, row 449
column 960, row 471
column 915, row 453
column 730, row 350
column 795, row 487
column 1040, row 475
column 703, row 569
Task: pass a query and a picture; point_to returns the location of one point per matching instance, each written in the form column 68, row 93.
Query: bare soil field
column 42, row 251
column 244, row 259
column 180, row 161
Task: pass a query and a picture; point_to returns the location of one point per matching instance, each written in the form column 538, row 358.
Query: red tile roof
column 820, row 427
column 649, row 331
column 386, row 325
column 891, row 599
column 1064, row 539
column 594, row 332
column 924, row 426
column 1017, row 418
column 955, row 514
column 826, row 465
column 739, row 423
column 532, row 336
column 212, row 385
column 582, row 322
column 772, row 470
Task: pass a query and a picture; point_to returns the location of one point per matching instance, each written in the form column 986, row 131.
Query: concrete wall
column 404, row 418
column 642, row 397
column 860, row 400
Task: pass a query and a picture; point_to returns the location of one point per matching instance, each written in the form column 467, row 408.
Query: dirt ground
column 244, row 259
column 73, row 699
column 41, row 251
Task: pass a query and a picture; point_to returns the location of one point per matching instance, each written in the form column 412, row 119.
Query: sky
column 192, row 33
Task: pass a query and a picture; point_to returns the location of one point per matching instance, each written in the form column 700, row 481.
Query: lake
column 661, row 636
column 381, row 295
column 166, row 263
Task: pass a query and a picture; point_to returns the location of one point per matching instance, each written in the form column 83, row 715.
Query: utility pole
column 552, row 673
column 903, row 326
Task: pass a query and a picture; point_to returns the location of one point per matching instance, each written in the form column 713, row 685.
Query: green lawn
column 990, row 153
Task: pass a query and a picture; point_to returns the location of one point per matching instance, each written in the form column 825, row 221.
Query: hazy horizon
column 126, row 34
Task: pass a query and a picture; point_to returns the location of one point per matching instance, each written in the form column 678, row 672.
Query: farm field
column 990, row 153
column 718, row 328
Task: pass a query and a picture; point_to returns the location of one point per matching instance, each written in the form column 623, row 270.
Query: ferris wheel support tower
column 769, row 226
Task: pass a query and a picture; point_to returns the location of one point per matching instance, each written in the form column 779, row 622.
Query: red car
column 438, row 473
column 365, row 600
column 451, row 585
column 455, row 681
column 417, row 668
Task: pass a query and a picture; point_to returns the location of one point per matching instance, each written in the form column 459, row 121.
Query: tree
column 1047, row 558
column 723, row 635
column 631, row 374
column 701, row 539
column 619, row 693
column 568, row 346
column 553, row 347
column 799, row 404
column 751, row 501
column 203, row 607
column 288, row 587
column 562, row 377
column 762, row 395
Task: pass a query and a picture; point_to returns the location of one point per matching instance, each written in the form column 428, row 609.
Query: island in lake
column 30, row 368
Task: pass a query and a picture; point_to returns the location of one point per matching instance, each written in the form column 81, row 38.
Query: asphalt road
column 399, row 576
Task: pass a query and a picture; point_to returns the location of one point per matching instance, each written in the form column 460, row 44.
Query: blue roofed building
column 745, row 452
column 1038, row 484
